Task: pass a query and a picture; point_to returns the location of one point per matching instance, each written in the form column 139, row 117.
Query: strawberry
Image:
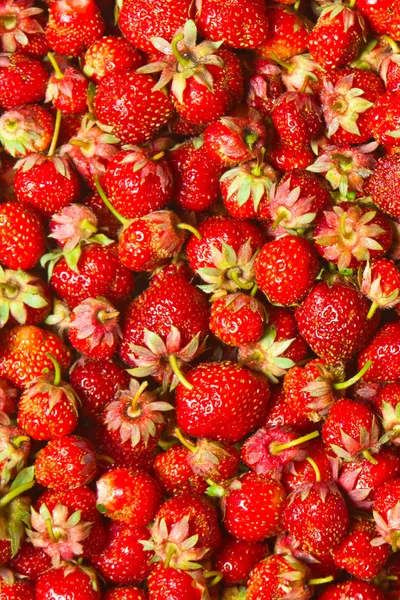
column 236, row 559
column 264, row 86
column 110, row 54
column 73, row 26
column 96, row 383
column 389, row 70
column 285, row 157
column 301, row 73
column 288, row 33
column 30, row 561
column 383, row 16
column 140, row 21
column 237, row 319
column 106, row 221
column 195, row 175
column 352, row 590
column 18, row 20
column 386, row 510
column 317, row 516
column 22, row 80
column 253, row 507
column 356, row 554
column 125, row 593
column 67, row 580
column 333, row 321
column 384, row 185
column 26, row 129
column 123, row 558
column 385, row 119
column 23, row 354
column 175, row 584
column 238, row 24
column 15, row 449
column 383, row 351
column 46, row 182
column 127, row 102
column 15, row 589
column 297, row 118
column 381, row 284
column 66, row 463
column 337, row 36
column 387, row 406
column 25, row 298
column 194, row 398
column 175, row 474
column 279, row 577
column 303, row 473
column 8, row 396
column 119, row 495
column 285, row 269
column 67, row 89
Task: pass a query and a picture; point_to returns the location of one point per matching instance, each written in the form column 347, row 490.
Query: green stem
column 54, row 64
column 372, row 309
column 276, row 448
column 50, row 531
column 19, row 440
column 185, row 62
column 315, row 467
column 105, row 458
column 184, row 441
column 190, row 228
column 132, row 410
column 56, row 131
column 320, row 580
column 366, row 454
column 254, row 290
column 174, row 366
column 158, row 156
column 279, row 220
column 106, row 201
column 243, row 286
column 215, row 576
column 9, row 290
column 87, row 225
column 391, row 43
column 57, row 370
column 170, row 553
column 281, row 63
column 104, row 316
column 346, row 384
column 17, row 492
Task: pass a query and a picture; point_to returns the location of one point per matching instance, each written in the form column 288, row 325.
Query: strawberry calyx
column 147, row 162
column 60, row 317
column 360, row 497
column 389, row 530
column 348, row 14
column 300, row 71
column 19, row 290
column 96, row 319
column 383, row 294
column 17, row 20
column 234, row 593
column 290, row 211
column 205, row 456
column 354, row 450
column 390, row 417
column 19, row 132
column 14, row 508
column 61, row 164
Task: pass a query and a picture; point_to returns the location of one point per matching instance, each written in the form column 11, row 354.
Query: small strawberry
column 383, row 351
column 279, row 577
column 285, row 157
column 12, row 588
column 381, row 284
column 26, row 129
column 167, row 582
column 110, row 54
column 288, row 33
column 297, row 118
column 237, row 319
column 352, row 590
column 67, row 580
column 385, row 119
column 8, row 396
column 174, row 473
column 237, row 558
column 302, row 473
column 125, row 593
column 386, row 514
column 22, row 80
column 14, row 450
column 383, row 16
column 67, row 89
column 387, row 406
column 264, row 86
column 30, row 561
column 18, row 24
column 301, row 73
column 24, row 298
column 384, row 185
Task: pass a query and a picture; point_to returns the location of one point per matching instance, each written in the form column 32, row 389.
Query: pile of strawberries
column 200, row 300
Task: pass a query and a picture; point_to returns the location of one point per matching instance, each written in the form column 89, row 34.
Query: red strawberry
column 67, row 89
column 279, row 577
column 253, row 507
column 385, row 119
column 195, row 397
column 237, row 319
column 15, row 589
column 238, row 24
column 381, row 284
column 384, row 185
column 120, row 493
column 26, row 129
column 22, row 80
column 30, row 561
column 285, row 157
column 125, row 593
column 73, row 26
column 387, row 406
column 333, row 321
column 23, row 353
column 110, row 54
column 175, row 474
column 382, row 15
column 264, row 86
column 22, row 24
column 66, row 463
column 285, row 269
column 303, row 473
column 127, row 102
column 25, row 299
column 22, row 240
column 67, row 580
column 176, row 584
column 386, row 513
column 352, row 590
column 8, row 396
column 297, row 118
column 384, row 352
column 288, row 33
column 236, row 558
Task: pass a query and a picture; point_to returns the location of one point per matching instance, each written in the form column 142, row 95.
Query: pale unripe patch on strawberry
column 73, row 224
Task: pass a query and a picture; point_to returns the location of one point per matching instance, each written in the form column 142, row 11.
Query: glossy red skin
column 173, row 472
column 96, row 383
column 70, row 32
column 285, row 269
column 393, row 77
column 24, row 81
column 356, row 554
column 253, row 513
column 126, row 491
column 100, row 273
column 240, row 24
column 288, row 34
column 384, row 185
column 124, row 454
column 236, row 559
column 110, row 54
column 77, row 102
column 303, row 472
column 281, row 413
column 23, row 353
column 126, row 102
column 30, row 561
column 132, row 194
column 19, row 590
column 173, row 584
column 333, row 321
column 226, row 143
column 285, row 158
column 387, row 497
column 54, row 584
column 83, row 499
column 123, row 559
column 195, row 177
column 125, row 593
column 286, row 328
column 385, row 118
column 22, row 236
column 318, row 525
column 5, row 551
column 383, row 16
column 84, row 345
column 201, row 411
column 66, row 463
column 297, row 118
column 353, row 590
column 45, row 188
column 389, row 394
column 141, row 20
column 263, row 89
column 236, row 327
column 299, row 399
column 269, row 581
column 384, row 351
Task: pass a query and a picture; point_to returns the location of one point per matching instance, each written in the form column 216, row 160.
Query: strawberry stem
column 282, row 214
column 254, row 290
column 10, row 291
column 106, row 201
column 315, row 467
column 171, row 551
column 104, row 316
column 174, row 47
column 174, row 366
column 56, row 131
column 19, row 440
column 320, row 580
column 346, row 384
column 88, row 226
column 158, row 156
column 391, row 43
column 215, row 575
column 235, row 277
column 281, row 63
column 50, row 530
column 16, row 492
column 184, row 441
column 105, row 458
column 276, row 448
column 372, row 309
column 132, row 412
column 190, row 228
column 54, row 64
column 367, row 454
column 57, row 371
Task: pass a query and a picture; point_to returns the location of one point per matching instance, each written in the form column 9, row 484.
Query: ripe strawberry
column 285, row 157
column 26, row 129
column 383, row 16
column 106, row 221
column 22, row 80
column 110, row 54
column 174, row 473
column 303, row 473
column 297, row 118
column 389, row 70
column 66, row 463
column 381, row 284
column 301, row 73
column 285, row 269
column 196, row 175
column 67, row 580
column 195, row 397
column 352, row 590
column 96, row 383
column 67, row 89
column 125, row 593
column 383, row 351
column 264, row 86
column 123, row 558
column 120, row 493
column 24, row 298
column 277, row 577
column 288, row 33
column 22, row 240
column 167, row 582
column 15, row 589
column 127, row 102
column 14, row 450
column 384, row 185
column 23, row 353
column 140, row 21
column 386, row 514
column 237, row 319
column 30, row 561
column 333, row 321
column 385, row 119
column 8, row 395
column 73, row 26
column 238, row 24
column 317, row 516
column 337, row 36
column 387, row 406
column 253, row 507
column 236, row 558
column 21, row 24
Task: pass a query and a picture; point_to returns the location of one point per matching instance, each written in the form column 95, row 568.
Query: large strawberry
column 110, row 54
column 22, row 80
column 384, row 352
